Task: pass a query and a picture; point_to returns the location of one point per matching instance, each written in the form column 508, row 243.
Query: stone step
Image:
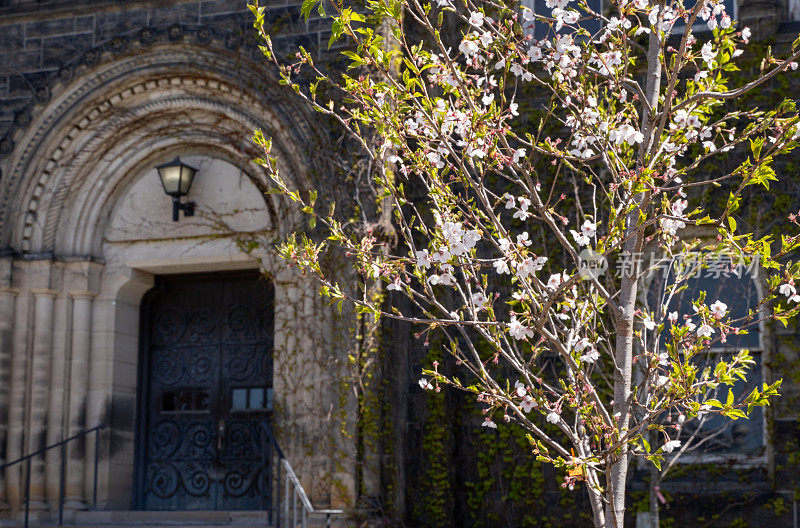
column 170, row 518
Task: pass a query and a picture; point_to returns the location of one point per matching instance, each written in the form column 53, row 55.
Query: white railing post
column 292, row 483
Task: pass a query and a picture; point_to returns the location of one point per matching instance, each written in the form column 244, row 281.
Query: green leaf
column 755, row 146
column 308, row 5
column 762, row 176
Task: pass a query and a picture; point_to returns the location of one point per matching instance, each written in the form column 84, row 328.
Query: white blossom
column 476, row 18
column 501, row 266
column 479, row 300
column 517, row 330
column 468, row 47
column 670, row 446
column 423, row 259
column 590, row 356
column 556, row 279
column 704, row 331
column 788, row 290
column 718, row 309
column 530, row 265
column 528, row 403
column 708, row 54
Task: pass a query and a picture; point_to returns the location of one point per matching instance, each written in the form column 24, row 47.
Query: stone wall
column 42, row 42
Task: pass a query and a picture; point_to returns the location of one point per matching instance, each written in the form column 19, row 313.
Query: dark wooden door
column 208, row 381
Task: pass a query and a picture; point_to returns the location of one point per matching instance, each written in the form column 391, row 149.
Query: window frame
column 738, row 460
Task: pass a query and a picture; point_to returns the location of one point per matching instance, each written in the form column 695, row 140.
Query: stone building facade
column 102, row 295
column 93, row 95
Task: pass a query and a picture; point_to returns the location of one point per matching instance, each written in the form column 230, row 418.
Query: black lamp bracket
column 187, row 208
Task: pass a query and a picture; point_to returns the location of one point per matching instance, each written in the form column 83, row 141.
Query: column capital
column 44, row 292
column 9, row 290
column 82, row 294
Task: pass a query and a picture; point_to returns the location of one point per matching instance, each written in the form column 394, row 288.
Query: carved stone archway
column 72, row 286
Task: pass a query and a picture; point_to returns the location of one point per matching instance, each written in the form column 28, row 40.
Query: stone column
column 98, row 398
column 55, row 432
column 78, row 390
column 40, row 391
column 17, row 398
column 7, row 301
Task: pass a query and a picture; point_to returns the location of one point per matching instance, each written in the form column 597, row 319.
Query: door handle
column 220, row 435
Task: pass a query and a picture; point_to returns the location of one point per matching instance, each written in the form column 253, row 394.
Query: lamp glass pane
column 171, row 179
column 187, row 175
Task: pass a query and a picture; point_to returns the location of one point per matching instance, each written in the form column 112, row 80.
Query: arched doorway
column 205, row 388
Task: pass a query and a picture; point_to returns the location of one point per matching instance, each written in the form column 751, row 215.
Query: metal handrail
column 288, row 482
column 63, row 445
column 291, row 486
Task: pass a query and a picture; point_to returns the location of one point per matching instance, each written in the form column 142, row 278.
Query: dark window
column 542, row 29
column 700, row 25
column 721, row 280
column 185, row 400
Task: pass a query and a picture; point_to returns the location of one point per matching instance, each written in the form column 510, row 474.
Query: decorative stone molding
column 270, row 109
column 108, row 64
column 82, row 294
column 47, row 292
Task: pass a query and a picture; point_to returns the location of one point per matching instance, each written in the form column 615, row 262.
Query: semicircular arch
column 176, row 97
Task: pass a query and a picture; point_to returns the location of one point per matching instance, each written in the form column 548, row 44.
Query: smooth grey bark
column 617, row 473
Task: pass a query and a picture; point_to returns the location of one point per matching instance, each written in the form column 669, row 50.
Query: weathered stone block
column 33, row 43
column 25, row 85
column 288, row 45
column 228, row 20
column 180, row 14
column 60, row 50
column 44, row 28
column 212, row 7
column 110, row 25
column 84, row 24
column 285, row 18
column 10, row 37
column 23, row 61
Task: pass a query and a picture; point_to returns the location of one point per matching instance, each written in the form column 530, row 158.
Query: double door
column 207, row 377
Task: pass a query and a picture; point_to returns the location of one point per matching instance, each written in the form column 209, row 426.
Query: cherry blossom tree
column 536, row 167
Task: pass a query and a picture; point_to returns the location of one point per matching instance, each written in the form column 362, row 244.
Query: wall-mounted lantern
column 177, row 177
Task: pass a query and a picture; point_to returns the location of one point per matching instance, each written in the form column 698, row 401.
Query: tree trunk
column 655, row 482
column 623, row 354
